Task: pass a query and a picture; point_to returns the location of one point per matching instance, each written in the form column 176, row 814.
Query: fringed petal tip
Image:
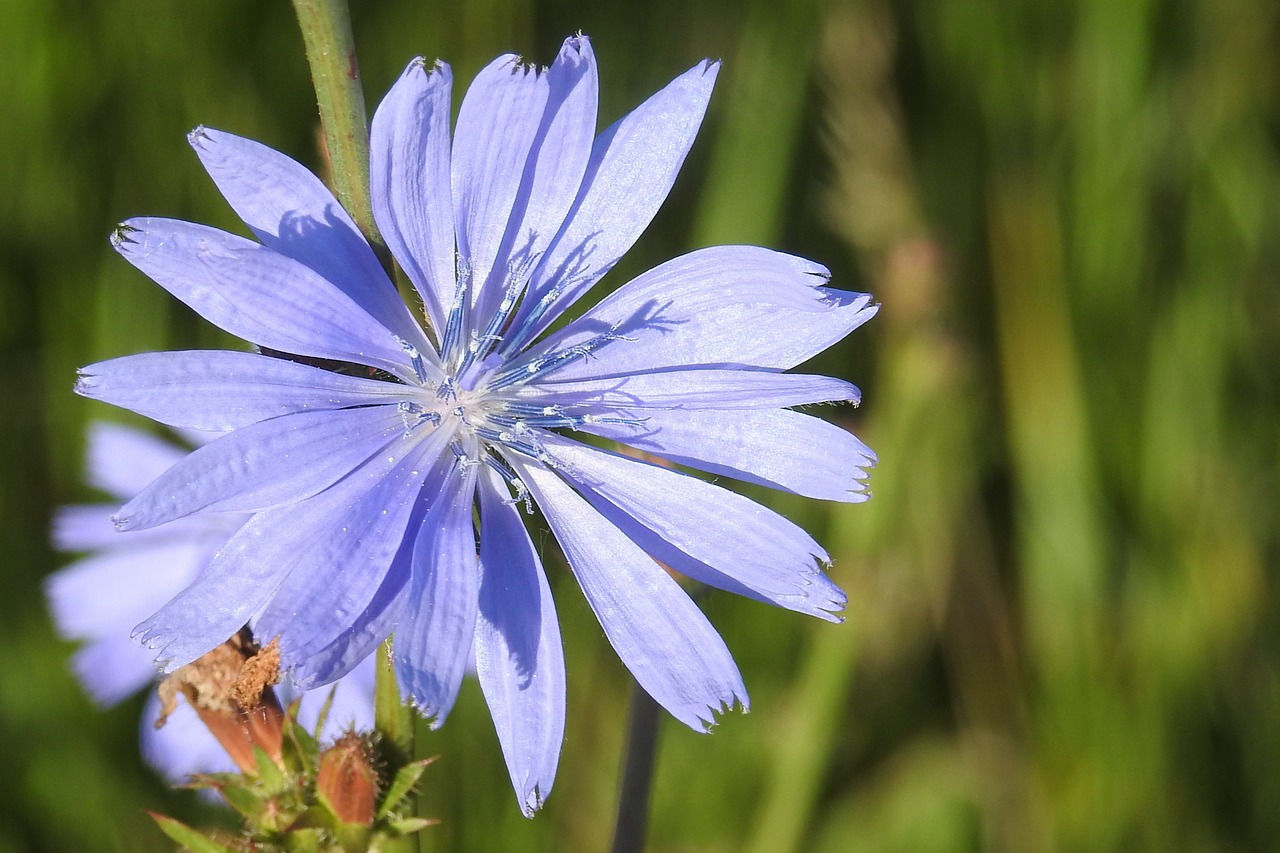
column 734, row 701
column 817, row 595
column 124, row 521
column 434, row 719
column 420, row 65
column 85, row 385
column 122, row 235
column 532, row 801
column 153, row 640
column 199, row 136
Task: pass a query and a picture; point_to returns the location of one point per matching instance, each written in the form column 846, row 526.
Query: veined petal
column 659, row 633
column 552, row 172
column 258, row 294
column 220, row 390
column 497, row 124
column 726, row 305
column 265, row 464
column 727, row 532
column 409, row 182
column 293, row 213
column 100, row 598
column 121, row 460
column 366, row 631
column 88, row 527
column 694, row 389
column 433, row 642
column 313, row 535
column 307, row 616
column 104, row 596
column 780, row 448
column 633, row 165
column 519, row 658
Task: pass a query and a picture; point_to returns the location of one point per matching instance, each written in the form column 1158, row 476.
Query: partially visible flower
column 367, row 481
column 127, row 576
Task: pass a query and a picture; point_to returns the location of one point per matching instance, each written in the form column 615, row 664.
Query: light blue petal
column 727, row 532
column 694, row 389
column 661, row 636
column 726, row 305
column 86, row 527
column 433, row 642
column 257, row 294
column 519, row 657
column 370, row 628
column 307, row 616
column 100, row 598
column 220, row 390
column 497, row 125
column 121, row 460
column 632, row 168
column 293, row 213
column 312, row 535
column 781, row 449
column 409, row 182
column 105, row 595
column 265, row 464
column 551, row 173
column 112, row 670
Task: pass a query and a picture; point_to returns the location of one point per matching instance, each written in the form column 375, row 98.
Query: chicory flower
column 387, row 467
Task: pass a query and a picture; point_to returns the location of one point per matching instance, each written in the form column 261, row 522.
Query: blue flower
column 387, row 468
column 126, row 576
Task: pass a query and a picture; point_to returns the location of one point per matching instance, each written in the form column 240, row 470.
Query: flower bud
column 347, row 782
column 230, row 690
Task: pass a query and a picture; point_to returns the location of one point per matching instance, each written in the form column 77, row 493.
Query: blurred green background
column 1062, row 633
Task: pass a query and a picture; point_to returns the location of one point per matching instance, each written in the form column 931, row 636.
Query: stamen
column 515, row 342
column 482, row 344
column 509, row 477
column 526, row 370
column 457, row 313
column 415, row 359
column 413, row 414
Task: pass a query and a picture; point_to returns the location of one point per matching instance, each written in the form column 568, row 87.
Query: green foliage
column 1061, row 633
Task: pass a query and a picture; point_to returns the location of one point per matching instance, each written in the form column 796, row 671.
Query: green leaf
column 301, row 750
column 189, row 838
column 248, row 801
column 324, row 711
column 270, row 775
column 353, row 837
column 304, row 841
column 406, row 778
column 410, row 825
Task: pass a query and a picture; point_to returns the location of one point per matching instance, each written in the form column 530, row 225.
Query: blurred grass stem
column 637, row 773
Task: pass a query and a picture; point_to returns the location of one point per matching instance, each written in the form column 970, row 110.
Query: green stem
column 331, row 53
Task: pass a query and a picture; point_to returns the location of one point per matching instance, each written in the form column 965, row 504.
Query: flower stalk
column 331, row 53
column 335, row 72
